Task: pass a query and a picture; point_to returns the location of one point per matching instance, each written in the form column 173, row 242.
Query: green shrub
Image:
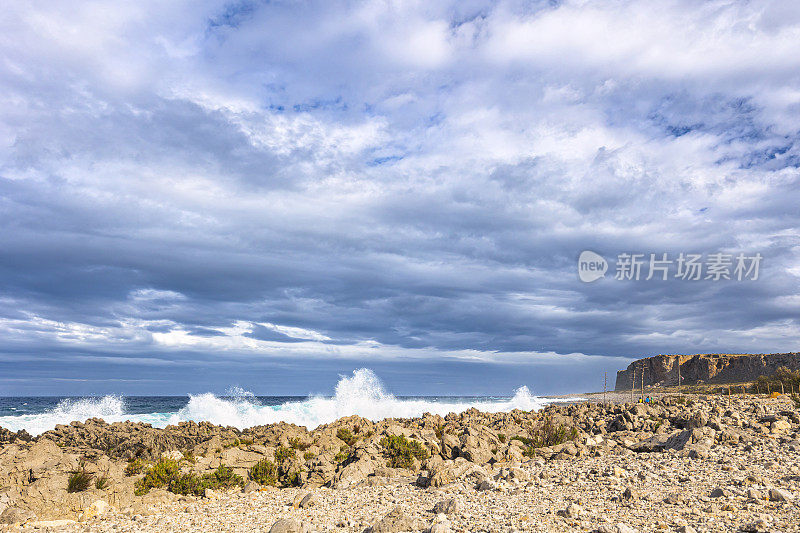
column 187, row 484
column 501, row 437
column 222, row 478
column 292, row 479
column 308, row 455
column 402, row 451
column 79, row 481
column 546, row 433
column 296, row 444
column 159, row 476
column 166, row 474
column 344, row 453
column 282, row 453
column 136, row 466
column 264, row 472
column 347, row 436
column 102, row 482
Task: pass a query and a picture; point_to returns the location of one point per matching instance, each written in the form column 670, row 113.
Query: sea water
column 361, row 394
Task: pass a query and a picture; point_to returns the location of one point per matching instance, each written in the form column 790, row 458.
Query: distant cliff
column 704, row 368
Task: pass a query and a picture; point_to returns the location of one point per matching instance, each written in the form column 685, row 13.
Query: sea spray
column 361, row 393
column 109, row 408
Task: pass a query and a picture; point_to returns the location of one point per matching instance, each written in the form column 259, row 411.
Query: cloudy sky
column 202, row 194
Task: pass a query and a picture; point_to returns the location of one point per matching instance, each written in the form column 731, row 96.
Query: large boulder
column 677, row 440
column 16, row 515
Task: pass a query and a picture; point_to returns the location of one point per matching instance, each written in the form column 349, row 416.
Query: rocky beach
column 681, row 463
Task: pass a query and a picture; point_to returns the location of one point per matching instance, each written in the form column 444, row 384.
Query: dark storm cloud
column 252, row 186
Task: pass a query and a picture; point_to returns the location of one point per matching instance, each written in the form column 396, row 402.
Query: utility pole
column 642, row 396
column 605, row 386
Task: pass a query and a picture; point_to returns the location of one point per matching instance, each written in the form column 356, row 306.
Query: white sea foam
column 109, row 408
column 361, row 394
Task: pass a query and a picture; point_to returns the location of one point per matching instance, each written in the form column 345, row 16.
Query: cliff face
column 706, row 368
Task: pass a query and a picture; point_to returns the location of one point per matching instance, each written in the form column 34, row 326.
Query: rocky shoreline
column 682, row 463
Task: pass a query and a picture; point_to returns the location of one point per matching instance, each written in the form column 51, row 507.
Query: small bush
column 166, row 474
column 501, row 437
column 545, row 434
column 79, row 481
column 264, row 472
column 347, row 436
column 222, row 478
column 159, row 476
column 344, row 453
column 308, row 455
column 137, row 466
column 296, row 444
column 102, row 482
column 187, row 484
column 402, row 451
column 282, row 453
column 292, row 479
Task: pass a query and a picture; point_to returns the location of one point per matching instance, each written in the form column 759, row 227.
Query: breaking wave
column 361, row 394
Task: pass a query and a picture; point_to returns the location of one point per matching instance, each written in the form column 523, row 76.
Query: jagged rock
column 718, row 492
column 288, row 525
column 779, row 426
column 395, row 521
column 677, row 440
column 354, row 473
column 707, row 368
column 440, row 524
column 448, row 506
column 308, row 500
column 97, row 508
column 759, row 526
column 573, row 510
column 251, row 486
column 175, row 455
column 16, row 515
column 780, row 495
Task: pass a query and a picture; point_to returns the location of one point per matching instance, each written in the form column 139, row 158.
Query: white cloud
column 387, row 178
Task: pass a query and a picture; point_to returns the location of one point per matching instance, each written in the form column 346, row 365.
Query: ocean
column 361, row 394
